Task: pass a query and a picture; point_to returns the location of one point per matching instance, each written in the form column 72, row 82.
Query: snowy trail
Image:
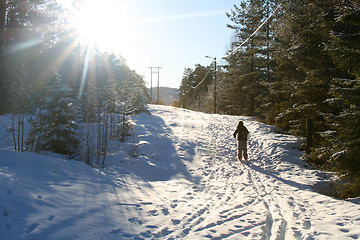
column 271, row 197
column 182, row 183
column 236, row 187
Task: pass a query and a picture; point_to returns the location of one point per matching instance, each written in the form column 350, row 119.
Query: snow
column 177, row 178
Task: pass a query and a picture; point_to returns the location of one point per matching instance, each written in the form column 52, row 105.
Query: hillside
column 167, row 95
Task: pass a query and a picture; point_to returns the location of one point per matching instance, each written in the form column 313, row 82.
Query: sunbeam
column 85, row 71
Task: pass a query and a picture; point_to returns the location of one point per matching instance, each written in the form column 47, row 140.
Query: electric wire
column 191, row 87
column 260, row 26
column 237, row 48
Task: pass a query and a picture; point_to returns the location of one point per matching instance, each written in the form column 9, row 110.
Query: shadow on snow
column 158, row 158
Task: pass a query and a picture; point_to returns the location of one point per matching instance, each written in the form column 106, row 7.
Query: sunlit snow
column 177, row 178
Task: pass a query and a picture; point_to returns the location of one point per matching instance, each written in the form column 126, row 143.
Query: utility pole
column 151, row 97
column 215, row 87
column 158, row 87
column 214, row 82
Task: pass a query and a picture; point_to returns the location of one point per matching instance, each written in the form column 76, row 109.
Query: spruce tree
column 307, row 37
column 59, row 120
column 344, row 115
column 251, row 67
column 185, row 90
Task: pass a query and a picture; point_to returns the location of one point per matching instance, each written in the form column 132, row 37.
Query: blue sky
column 176, row 34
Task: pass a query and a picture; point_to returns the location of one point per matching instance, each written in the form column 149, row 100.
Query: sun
column 104, row 24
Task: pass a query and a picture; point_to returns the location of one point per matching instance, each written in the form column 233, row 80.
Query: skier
column 241, row 133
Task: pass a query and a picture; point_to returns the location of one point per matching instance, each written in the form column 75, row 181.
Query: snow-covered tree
column 59, row 120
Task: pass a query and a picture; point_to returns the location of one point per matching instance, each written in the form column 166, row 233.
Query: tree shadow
column 277, row 176
column 157, row 157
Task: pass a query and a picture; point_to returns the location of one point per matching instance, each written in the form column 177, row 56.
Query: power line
column 262, row 24
column 214, row 83
column 245, row 41
column 234, row 50
column 191, row 87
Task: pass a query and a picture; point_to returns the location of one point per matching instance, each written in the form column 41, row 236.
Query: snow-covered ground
column 181, row 182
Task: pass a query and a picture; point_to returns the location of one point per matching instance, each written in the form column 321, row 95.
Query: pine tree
column 194, row 88
column 281, row 72
column 344, row 115
column 185, row 90
column 59, row 120
column 345, row 34
column 26, row 29
column 251, row 68
column 345, row 133
column 307, row 36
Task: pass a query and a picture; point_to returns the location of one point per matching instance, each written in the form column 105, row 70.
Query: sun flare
column 104, row 24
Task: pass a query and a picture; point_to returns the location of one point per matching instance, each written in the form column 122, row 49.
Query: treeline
column 74, row 98
column 300, row 71
column 196, row 87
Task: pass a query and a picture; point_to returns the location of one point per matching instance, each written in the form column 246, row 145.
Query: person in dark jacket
column 241, row 134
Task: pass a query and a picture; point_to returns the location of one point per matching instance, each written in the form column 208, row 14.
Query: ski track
column 186, row 184
column 232, row 199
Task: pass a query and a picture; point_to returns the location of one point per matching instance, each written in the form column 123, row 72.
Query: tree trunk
column 105, row 143
column 18, row 131
column 3, row 89
column 22, row 131
column 32, row 142
column 98, row 143
column 40, row 131
column 123, row 126
column 87, row 144
column 112, row 124
column 13, row 130
column 309, row 140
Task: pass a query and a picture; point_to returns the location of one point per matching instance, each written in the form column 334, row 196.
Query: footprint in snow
column 354, row 236
column 152, row 226
column 165, row 211
column 116, row 231
column 5, row 213
column 31, row 228
column 147, row 234
column 135, row 220
column 153, row 212
column 175, row 221
column 307, row 225
column 164, row 232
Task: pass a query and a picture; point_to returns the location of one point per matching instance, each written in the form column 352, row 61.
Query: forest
column 74, row 98
column 299, row 72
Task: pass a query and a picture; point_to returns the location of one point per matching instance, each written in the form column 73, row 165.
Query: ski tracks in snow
column 223, row 198
column 233, row 199
column 259, row 209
